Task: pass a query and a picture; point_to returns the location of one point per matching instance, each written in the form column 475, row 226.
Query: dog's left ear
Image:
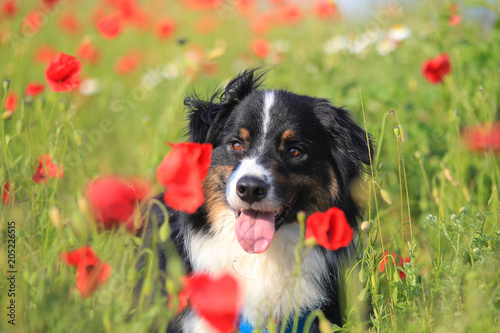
column 350, row 139
column 207, row 117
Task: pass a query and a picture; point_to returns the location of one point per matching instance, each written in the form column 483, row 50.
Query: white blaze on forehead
column 268, row 103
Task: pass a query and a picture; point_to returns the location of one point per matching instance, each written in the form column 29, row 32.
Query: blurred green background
column 361, row 55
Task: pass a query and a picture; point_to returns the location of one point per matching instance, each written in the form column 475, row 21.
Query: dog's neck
column 270, row 282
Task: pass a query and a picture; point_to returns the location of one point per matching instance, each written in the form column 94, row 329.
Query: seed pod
column 6, row 85
column 164, row 232
column 362, row 295
column 365, row 226
column 55, row 217
column 385, row 195
column 7, row 115
column 362, row 275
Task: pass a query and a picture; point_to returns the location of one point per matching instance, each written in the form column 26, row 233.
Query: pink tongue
column 255, row 230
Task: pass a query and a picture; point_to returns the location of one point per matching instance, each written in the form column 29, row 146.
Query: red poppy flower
column 330, row 229
column 6, row 197
column 165, row 28
column 261, row 24
column 128, row 63
column 142, row 20
column 128, row 9
column 11, row 102
column 63, row 73
column 46, row 169
column 91, row 272
column 385, row 260
column 88, row 53
column 434, row 70
column 455, row 20
column 260, row 47
column 182, row 297
column 114, row 201
column 289, row 15
column 110, row 26
column 244, row 7
column 483, row 138
column 215, row 299
column 206, row 25
column 50, row 3
column 34, row 89
column 44, row 54
column 209, row 68
column 69, row 23
column 33, row 21
column 401, row 263
column 325, row 9
column 10, row 8
column 182, row 172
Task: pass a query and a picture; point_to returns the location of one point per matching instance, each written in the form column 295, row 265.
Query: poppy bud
column 324, row 325
column 7, row 115
column 55, row 217
column 83, row 205
column 365, row 226
column 6, row 85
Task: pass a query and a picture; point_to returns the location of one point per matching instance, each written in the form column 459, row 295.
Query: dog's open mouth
column 255, row 229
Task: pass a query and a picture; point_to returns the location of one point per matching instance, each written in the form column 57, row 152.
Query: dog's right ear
column 207, row 117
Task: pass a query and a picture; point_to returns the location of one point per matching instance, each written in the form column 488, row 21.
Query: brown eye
column 237, row 146
column 294, row 152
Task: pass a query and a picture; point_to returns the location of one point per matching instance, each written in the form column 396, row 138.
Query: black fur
column 207, row 118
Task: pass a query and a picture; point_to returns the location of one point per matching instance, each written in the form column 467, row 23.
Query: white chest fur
column 270, row 285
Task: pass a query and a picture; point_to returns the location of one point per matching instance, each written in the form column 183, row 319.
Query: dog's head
column 275, row 153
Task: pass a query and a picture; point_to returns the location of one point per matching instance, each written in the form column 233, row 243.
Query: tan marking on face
column 320, row 196
column 244, row 134
column 334, row 187
column 215, row 192
column 287, row 135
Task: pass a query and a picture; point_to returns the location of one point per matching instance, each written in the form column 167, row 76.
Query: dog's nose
column 251, row 189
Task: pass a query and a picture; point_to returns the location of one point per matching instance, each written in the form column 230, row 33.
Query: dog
column 275, row 154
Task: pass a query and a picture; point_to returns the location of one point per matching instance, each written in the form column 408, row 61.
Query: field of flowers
column 93, row 92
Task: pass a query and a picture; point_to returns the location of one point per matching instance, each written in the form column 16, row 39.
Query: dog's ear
column 207, row 117
column 350, row 140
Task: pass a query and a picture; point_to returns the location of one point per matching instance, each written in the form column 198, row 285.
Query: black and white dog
column 275, row 153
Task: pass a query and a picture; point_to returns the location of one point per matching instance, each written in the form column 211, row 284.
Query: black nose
column 251, row 189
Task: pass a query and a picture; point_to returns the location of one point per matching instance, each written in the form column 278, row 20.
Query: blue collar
column 246, row 327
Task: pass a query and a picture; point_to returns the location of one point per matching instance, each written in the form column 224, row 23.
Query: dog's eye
column 294, row 152
column 237, row 146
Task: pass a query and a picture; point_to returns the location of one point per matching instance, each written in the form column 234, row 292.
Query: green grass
column 444, row 211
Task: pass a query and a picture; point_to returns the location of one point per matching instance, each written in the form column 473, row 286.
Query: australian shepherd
column 275, row 154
